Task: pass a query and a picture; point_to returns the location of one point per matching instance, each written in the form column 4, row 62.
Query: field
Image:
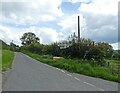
column 87, row 67
column 7, row 58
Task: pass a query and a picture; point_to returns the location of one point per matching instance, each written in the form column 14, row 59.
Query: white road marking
column 45, row 64
column 89, row 84
column 62, row 71
column 101, row 89
column 57, row 68
column 94, row 86
column 69, row 75
column 76, row 78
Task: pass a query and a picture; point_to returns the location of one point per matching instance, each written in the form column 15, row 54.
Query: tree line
column 70, row 48
column 85, row 49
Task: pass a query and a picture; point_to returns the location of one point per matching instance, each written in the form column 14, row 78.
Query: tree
column 14, row 47
column 52, row 49
column 106, row 48
column 116, row 55
column 29, row 38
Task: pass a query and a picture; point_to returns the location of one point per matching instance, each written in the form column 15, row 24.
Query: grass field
column 88, row 68
column 7, row 58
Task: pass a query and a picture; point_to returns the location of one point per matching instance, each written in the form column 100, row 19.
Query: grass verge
column 7, row 58
column 88, row 68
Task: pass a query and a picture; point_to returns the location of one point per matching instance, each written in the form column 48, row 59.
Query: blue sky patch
column 70, row 8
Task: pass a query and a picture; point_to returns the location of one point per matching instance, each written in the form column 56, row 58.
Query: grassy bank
column 88, row 68
column 7, row 58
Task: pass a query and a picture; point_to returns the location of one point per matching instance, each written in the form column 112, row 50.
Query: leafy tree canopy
column 29, row 38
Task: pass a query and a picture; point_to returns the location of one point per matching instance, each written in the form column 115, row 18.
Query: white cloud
column 69, row 24
column 106, row 7
column 101, row 20
column 74, row 1
column 31, row 12
column 101, row 28
column 7, row 34
column 47, row 18
column 21, row 15
column 116, row 46
column 46, row 35
column 98, row 19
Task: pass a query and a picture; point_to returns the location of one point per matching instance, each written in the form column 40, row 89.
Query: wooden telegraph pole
column 78, row 29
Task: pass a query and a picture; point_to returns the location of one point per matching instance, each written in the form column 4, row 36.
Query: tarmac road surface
column 27, row 74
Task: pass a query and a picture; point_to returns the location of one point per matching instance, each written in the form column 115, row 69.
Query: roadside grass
column 113, row 62
column 88, row 67
column 7, row 58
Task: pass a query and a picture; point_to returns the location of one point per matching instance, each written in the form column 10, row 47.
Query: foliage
column 34, row 48
column 14, row 47
column 52, row 49
column 85, row 49
column 106, row 48
column 116, row 55
column 90, row 56
column 29, row 38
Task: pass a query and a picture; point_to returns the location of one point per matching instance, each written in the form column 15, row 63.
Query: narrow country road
column 27, row 74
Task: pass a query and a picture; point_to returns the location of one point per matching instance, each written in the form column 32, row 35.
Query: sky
column 55, row 20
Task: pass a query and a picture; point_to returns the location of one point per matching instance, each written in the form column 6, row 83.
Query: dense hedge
column 71, row 48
